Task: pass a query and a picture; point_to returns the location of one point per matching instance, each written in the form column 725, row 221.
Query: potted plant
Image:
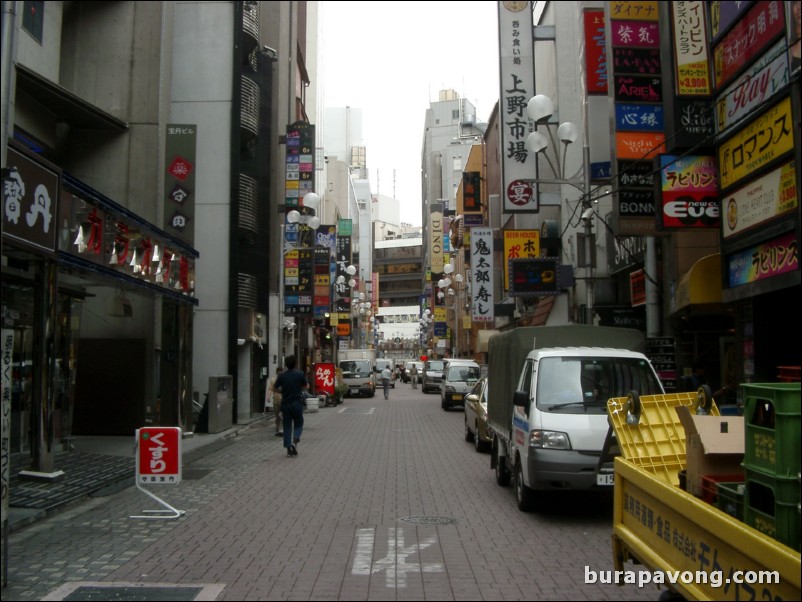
column 340, row 391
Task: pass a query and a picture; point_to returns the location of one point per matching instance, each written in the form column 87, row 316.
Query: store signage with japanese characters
column 766, row 138
column 158, row 458
column 690, row 48
column 761, row 200
column 482, row 286
column 517, row 86
column 30, row 202
column 689, row 187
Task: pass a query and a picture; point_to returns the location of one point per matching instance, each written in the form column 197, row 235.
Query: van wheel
column 502, row 472
column 468, row 434
column 523, row 495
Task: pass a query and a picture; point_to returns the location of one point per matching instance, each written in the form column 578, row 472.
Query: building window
column 33, row 18
column 455, row 114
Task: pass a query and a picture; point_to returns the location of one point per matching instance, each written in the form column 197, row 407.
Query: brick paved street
column 385, row 501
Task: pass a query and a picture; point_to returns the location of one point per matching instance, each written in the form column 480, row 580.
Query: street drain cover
column 124, row 591
column 429, row 520
column 168, row 594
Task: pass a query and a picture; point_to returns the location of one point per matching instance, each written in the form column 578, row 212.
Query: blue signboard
column 631, row 117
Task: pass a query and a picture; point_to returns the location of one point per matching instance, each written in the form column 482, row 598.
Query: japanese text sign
column 158, row 457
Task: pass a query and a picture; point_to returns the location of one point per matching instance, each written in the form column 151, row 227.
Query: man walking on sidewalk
column 386, row 376
column 291, row 384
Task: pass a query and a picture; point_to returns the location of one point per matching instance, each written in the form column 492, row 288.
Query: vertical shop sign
column 517, row 86
column 595, row 52
column 179, row 184
column 5, row 420
column 690, row 48
column 482, row 301
column 471, row 191
column 436, row 248
column 299, row 178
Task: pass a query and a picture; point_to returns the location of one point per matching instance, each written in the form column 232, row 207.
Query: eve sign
column 158, row 458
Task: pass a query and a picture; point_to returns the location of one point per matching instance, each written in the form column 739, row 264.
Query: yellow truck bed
column 668, row 530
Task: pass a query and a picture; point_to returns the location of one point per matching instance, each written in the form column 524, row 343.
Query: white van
column 459, row 377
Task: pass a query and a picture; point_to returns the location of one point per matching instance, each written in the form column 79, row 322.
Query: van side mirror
column 521, row 399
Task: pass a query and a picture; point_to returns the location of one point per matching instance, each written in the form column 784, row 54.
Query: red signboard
column 324, row 378
column 595, row 52
column 637, row 287
column 158, row 458
column 747, row 39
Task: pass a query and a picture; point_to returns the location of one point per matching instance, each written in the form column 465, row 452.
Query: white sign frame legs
column 163, row 457
column 517, row 86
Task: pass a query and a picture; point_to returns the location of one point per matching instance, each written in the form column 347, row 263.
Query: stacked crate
column 772, row 460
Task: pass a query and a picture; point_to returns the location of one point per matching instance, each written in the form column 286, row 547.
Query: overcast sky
column 391, row 59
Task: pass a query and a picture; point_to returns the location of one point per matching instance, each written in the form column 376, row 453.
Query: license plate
column 456, row 397
column 606, row 479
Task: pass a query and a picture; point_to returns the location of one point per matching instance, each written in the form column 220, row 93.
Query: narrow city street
column 385, row 500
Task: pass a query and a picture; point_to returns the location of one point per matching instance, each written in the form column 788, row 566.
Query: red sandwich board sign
column 158, row 457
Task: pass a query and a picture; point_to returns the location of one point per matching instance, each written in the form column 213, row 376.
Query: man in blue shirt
column 291, row 384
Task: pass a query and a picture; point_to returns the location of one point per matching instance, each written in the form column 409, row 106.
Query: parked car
column 459, row 377
column 476, row 429
column 408, row 366
column 432, row 375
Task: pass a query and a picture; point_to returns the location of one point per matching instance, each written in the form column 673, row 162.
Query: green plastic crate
column 772, row 506
column 772, row 427
column 730, row 499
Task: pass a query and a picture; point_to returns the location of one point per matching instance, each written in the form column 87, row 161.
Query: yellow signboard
column 766, row 138
column 519, row 244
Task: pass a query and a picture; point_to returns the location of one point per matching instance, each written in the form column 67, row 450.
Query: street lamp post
column 540, row 108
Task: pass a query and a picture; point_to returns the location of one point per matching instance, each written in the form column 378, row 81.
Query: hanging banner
column 517, row 86
column 690, row 48
column 595, row 52
column 481, row 291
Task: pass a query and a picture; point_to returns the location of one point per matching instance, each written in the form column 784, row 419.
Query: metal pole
column 588, row 204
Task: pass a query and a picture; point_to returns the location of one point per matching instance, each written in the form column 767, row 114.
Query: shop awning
column 701, row 285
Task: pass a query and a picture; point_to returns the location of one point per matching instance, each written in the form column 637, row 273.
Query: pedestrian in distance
column 292, row 383
column 413, row 376
column 275, row 396
column 387, row 375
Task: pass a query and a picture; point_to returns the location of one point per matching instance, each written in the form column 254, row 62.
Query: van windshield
column 353, row 368
column 578, row 385
column 465, row 374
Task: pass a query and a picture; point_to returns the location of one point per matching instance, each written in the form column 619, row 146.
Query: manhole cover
column 429, row 520
column 168, row 594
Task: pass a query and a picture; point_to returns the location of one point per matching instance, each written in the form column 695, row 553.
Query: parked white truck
column 357, row 367
column 548, row 388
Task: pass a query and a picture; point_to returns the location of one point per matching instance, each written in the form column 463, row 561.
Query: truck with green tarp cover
column 547, row 392
column 507, row 351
